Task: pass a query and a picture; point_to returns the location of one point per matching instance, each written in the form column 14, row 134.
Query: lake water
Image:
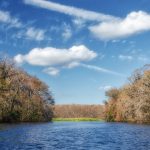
column 75, row 136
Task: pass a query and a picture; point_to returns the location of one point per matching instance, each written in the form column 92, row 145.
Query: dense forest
column 23, row 98
column 78, row 111
column 130, row 103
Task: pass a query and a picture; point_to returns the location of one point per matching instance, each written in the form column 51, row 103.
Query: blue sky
column 80, row 48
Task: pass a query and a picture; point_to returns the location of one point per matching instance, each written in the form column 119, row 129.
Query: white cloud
column 69, row 10
column 79, row 23
column 143, row 58
column 99, row 69
column 5, row 17
column 134, row 57
column 35, row 34
column 125, row 57
column 72, row 65
column 115, row 41
column 135, row 22
column 67, row 32
column 29, row 33
column 51, row 71
column 108, row 27
column 50, row 56
column 56, row 59
column 105, row 88
column 19, row 59
column 92, row 67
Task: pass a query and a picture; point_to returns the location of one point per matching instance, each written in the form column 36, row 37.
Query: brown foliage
column 78, row 111
column 22, row 97
column 132, row 102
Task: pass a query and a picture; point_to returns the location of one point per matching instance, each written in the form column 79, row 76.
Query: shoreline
column 76, row 119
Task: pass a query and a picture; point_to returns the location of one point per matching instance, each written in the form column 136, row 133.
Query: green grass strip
column 77, row 119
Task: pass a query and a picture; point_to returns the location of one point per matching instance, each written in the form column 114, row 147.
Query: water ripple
column 74, row 136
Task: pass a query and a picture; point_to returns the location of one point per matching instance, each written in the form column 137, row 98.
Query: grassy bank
column 77, row 119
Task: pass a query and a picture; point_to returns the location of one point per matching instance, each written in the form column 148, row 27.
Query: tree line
column 23, row 98
column 130, row 103
column 78, row 111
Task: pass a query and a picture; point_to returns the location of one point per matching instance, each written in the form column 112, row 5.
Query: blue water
column 74, row 136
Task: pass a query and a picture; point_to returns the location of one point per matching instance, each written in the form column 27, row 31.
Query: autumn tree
column 132, row 102
column 78, row 111
column 22, row 96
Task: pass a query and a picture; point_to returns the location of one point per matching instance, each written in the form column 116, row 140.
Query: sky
column 80, row 48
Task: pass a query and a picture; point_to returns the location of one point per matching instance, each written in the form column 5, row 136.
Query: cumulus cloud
column 55, row 59
column 5, row 17
column 69, row 10
column 133, row 23
column 19, row 59
column 35, row 34
column 51, row 56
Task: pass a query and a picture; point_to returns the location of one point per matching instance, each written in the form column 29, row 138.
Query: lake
column 74, row 136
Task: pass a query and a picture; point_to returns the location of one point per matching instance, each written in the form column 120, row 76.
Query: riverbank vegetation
column 23, row 98
column 82, row 112
column 130, row 103
column 76, row 119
